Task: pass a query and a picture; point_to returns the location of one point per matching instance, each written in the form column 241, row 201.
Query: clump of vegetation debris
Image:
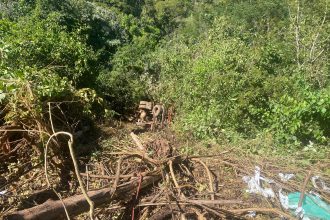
column 146, row 177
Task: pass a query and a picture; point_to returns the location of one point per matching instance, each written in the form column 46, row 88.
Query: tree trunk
column 77, row 204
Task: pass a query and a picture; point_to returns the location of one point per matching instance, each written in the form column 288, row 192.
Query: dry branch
column 75, row 164
column 263, row 211
column 137, row 142
column 303, row 189
column 78, row 204
column 187, row 202
column 209, row 176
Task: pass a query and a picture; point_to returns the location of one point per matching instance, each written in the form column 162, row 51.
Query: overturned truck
column 154, row 115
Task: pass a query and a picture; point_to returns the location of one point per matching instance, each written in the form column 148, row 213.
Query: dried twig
column 137, row 141
column 75, row 164
column 105, row 176
column 146, row 210
column 303, row 189
column 209, row 176
column 221, row 215
column 195, row 201
column 262, row 210
column 115, row 183
column 57, row 194
column 170, row 163
column 139, row 154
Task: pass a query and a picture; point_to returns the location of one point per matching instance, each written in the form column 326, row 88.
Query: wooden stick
column 105, row 176
column 137, row 142
column 209, row 176
column 187, row 202
column 75, row 164
column 53, row 210
column 148, row 173
column 262, row 210
column 170, row 164
column 115, row 183
column 303, row 189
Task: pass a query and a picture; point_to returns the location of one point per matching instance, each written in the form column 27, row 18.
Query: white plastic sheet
column 323, row 186
column 255, row 184
column 286, row 177
column 284, row 199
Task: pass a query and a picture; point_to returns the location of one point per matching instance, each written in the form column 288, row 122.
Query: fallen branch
column 140, row 154
column 170, row 163
column 263, row 211
column 75, row 164
column 147, row 173
column 187, row 202
column 137, row 142
column 303, row 189
column 115, row 183
column 78, row 204
column 209, row 176
column 105, row 176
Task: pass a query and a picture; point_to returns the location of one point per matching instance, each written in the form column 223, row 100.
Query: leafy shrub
column 45, row 44
column 223, row 83
column 304, row 118
column 231, row 68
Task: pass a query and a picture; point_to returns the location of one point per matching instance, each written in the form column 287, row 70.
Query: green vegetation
column 232, row 69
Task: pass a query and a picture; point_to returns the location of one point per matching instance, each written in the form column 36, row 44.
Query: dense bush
column 247, row 75
column 231, row 68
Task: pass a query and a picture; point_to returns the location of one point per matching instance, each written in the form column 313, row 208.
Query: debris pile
column 148, row 178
